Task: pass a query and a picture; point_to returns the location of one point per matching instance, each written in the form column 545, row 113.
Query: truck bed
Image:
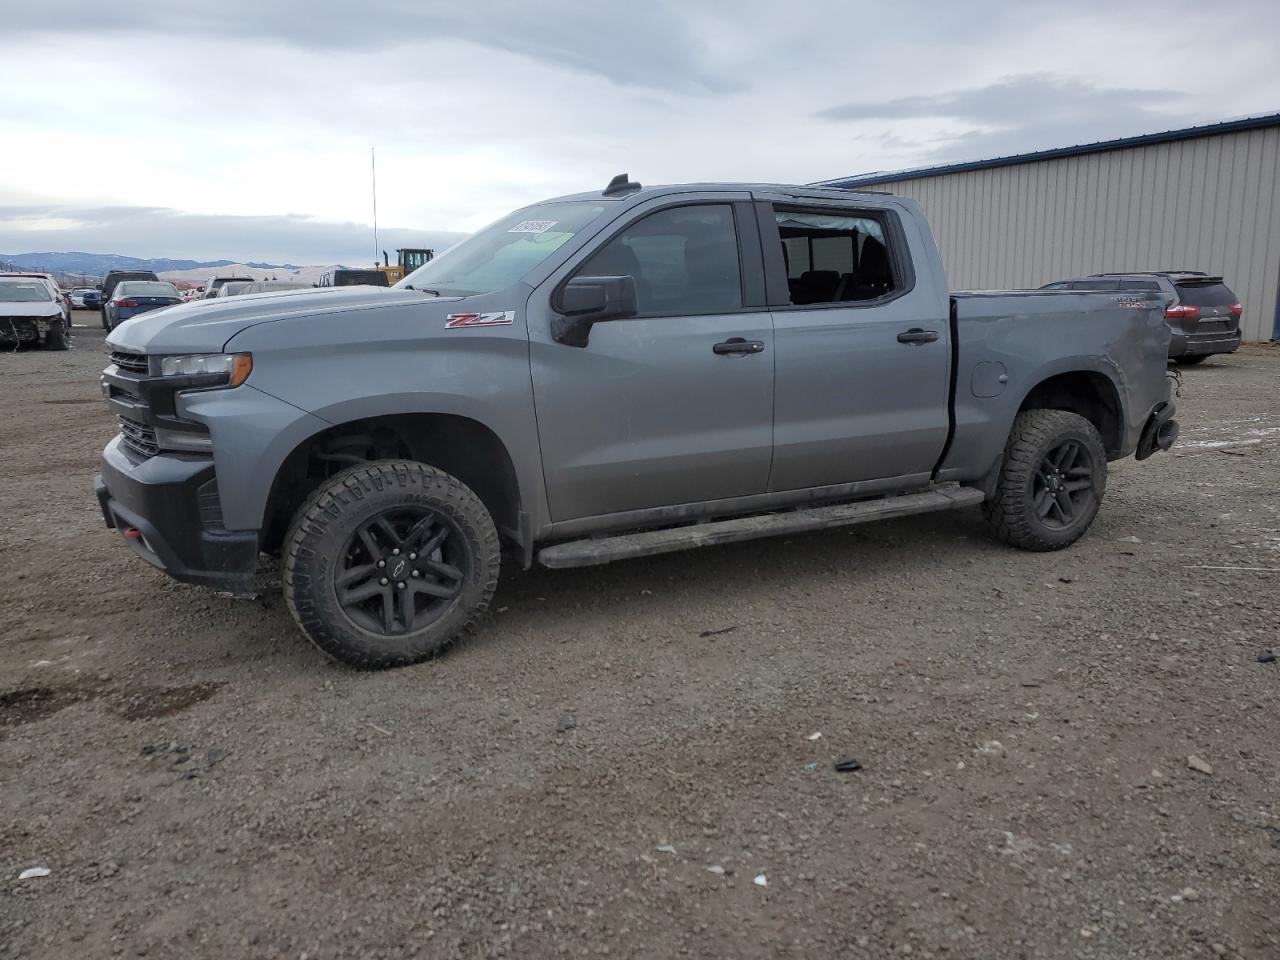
column 1004, row 342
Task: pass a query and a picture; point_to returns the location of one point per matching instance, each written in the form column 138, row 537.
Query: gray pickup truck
column 611, row 375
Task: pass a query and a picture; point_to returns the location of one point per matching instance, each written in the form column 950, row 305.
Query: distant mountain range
column 97, row 264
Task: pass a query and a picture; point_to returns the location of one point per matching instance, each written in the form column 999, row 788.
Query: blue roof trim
column 1102, row 146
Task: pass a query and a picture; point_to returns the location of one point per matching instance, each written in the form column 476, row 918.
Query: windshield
column 503, row 252
column 147, row 288
column 24, row 291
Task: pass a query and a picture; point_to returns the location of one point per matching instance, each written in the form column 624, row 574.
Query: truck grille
column 133, row 362
column 138, row 437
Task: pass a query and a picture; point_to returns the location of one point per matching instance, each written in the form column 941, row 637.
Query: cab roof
column 622, row 189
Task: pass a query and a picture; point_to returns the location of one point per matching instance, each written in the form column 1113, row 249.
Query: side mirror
column 586, row 301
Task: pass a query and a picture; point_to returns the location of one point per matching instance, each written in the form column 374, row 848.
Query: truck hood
column 205, row 326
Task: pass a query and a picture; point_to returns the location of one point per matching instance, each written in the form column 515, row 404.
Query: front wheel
column 388, row 562
column 58, row 337
column 1051, row 481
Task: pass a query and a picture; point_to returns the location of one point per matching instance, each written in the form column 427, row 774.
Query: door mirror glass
column 589, row 300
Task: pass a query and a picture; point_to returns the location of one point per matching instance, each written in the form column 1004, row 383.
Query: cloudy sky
column 242, row 129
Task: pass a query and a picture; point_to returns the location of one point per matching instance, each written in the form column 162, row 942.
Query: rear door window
column 834, row 258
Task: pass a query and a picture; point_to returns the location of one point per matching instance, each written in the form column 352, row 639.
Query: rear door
column 675, row 405
column 863, row 356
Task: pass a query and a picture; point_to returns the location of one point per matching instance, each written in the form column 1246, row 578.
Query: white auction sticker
column 533, row 226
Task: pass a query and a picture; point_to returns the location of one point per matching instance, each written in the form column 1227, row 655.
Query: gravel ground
column 620, row 759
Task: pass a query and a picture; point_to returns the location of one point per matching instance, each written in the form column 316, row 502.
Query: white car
column 31, row 312
column 63, row 299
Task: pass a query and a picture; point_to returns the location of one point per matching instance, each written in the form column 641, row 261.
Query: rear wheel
column 1051, row 482
column 1187, row 361
column 388, row 562
column 105, row 325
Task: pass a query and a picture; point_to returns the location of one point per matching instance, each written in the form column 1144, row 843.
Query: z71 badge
column 502, row 318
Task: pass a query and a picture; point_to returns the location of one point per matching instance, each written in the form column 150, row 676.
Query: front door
column 675, row 405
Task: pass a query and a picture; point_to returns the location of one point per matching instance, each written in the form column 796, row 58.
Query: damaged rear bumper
column 1160, row 431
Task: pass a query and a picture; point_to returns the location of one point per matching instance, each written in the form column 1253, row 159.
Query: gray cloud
column 1012, row 100
column 1023, row 113
column 649, row 45
column 479, row 107
column 162, row 232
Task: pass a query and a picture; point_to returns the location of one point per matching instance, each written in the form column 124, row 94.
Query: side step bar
column 596, row 551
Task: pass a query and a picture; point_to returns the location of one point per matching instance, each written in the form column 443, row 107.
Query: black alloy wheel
column 1063, row 488
column 1051, row 481
column 389, row 562
column 401, row 570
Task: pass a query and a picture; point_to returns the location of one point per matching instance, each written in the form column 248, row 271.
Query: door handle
column 917, row 335
column 739, row 346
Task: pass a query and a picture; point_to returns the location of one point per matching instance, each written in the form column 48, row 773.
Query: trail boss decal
column 502, row 318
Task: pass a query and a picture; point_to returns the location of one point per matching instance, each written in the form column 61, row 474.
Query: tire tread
column 1005, row 511
column 326, row 503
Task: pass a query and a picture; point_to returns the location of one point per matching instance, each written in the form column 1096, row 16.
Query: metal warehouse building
column 1204, row 198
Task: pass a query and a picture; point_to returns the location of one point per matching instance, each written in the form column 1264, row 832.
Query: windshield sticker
column 533, row 226
column 499, row 319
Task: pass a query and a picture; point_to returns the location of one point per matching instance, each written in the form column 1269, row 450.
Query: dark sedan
column 133, row 297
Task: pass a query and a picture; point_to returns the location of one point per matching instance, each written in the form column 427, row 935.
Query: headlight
column 231, row 369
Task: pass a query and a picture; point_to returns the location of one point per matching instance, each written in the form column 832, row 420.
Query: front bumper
column 166, row 508
column 25, row 329
column 1201, row 344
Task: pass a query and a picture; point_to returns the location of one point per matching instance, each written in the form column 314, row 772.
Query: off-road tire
column 329, row 518
column 1010, row 511
column 58, row 337
column 1187, row 361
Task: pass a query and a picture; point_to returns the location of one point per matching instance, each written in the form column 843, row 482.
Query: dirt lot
column 201, row 783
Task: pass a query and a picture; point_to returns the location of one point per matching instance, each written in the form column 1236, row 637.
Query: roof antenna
column 373, row 171
column 620, row 184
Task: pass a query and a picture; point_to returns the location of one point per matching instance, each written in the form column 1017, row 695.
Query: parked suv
column 611, row 375
column 1202, row 312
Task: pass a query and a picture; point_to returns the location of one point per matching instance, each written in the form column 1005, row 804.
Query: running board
column 600, row 550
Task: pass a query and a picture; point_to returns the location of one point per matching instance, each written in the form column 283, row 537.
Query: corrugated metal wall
column 1211, row 204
